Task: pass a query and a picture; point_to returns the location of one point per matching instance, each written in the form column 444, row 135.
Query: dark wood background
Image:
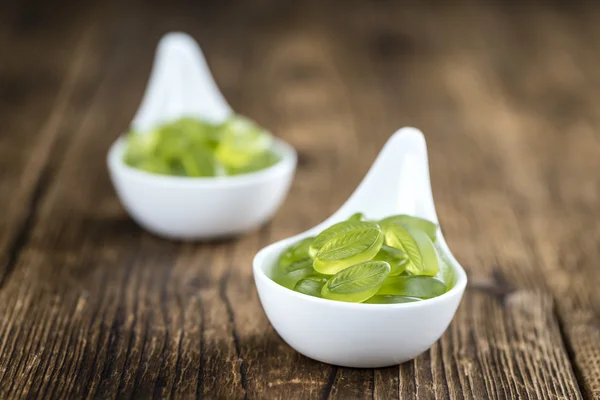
column 507, row 93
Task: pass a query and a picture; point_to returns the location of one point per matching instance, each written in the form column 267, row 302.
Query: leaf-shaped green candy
column 260, row 161
column 335, row 230
column 423, row 287
column 139, row 147
column 295, row 252
column 446, row 273
column 241, row 141
column 196, row 148
column 413, row 223
column 352, row 242
column 416, row 245
column 294, row 264
column 311, row 285
column 184, row 145
column 356, row 283
column 356, row 217
column 198, row 161
column 196, row 131
column 291, row 274
column 396, row 258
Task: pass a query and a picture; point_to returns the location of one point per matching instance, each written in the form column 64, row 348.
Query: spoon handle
column 397, row 183
column 180, row 84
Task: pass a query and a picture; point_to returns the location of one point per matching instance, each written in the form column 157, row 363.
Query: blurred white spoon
column 367, row 335
column 180, row 85
column 193, row 208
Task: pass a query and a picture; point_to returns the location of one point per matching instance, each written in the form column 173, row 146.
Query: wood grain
column 92, row 306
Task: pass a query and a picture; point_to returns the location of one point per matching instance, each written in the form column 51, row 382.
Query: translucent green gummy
column 294, row 264
column 410, row 222
column 296, row 251
column 356, row 283
column 288, row 276
column 423, row 287
column 396, row 258
column 335, row 230
column 241, row 141
column 357, row 217
column 194, row 148
column 311, row 285
column 445, row 274
column 345, row 244
column 391, row 261
column 260, row 161
column 422, row 256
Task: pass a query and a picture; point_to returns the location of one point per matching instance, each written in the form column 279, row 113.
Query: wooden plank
column 544, row 145
column 33, row 103
column 271, row 368
column 560, row 107
column 52, row 324
column 95, row 307
column 122, row 339
column 425, row 90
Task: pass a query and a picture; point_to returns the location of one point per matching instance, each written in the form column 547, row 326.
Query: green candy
column 423, row 287
column 357, row 217
column 241, row 142
column 345, row 244
column 294, row 264
column 195, row 148
column 311, row 285
column 356, row 283
column 409, row 222
column 395, row 260
column 422, row 256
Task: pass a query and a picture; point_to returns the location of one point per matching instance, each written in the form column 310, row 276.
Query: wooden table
column 509, row 99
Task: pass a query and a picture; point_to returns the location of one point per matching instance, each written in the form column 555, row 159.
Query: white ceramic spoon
column 194, row 208
column 367, row 335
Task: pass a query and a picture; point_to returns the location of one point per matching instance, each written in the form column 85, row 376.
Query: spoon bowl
column 175, row 207
column 356, row 334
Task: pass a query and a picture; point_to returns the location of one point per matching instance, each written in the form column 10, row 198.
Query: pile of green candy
column 195, row 148
column 394, row 260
